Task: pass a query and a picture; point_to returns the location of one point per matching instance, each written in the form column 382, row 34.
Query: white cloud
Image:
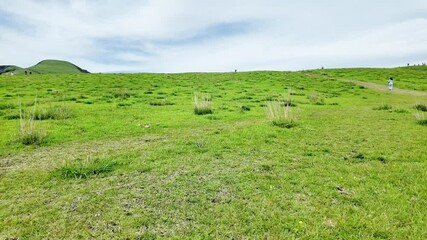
column 191, row 35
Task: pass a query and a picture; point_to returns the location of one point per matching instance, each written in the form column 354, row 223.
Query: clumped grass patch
column 121, row 93
column 58, row 112
column 85, row 168
column 161, row 102
column 202, row 104
column 124, row 104
column 420, row 107
column 421, row 119
column 316, row 98
column 294, row 93
column 4, row 106
column 213, row 117
column 287, row 102
column 384, row 106
column 243, row 108
column 401, row 110
column 281, row 116
column 29, row 133
column 11, row 115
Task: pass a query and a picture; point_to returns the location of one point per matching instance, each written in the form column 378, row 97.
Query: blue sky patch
column 14, row 22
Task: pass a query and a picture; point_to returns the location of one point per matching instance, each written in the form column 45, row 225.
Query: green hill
column 44, row 67
column 9, row 69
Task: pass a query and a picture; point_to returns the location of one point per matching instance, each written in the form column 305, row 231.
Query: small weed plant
column 202, row 104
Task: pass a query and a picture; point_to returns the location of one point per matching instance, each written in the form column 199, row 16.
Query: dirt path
column 384, row 88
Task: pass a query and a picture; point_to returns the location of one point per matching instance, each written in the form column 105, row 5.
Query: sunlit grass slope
column 126, row 156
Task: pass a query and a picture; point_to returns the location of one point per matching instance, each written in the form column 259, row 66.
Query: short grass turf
column 126, row 157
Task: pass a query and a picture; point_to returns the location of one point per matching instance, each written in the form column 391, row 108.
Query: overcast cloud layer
column 213, row 35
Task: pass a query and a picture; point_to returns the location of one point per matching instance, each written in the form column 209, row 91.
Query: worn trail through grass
column 384, row 88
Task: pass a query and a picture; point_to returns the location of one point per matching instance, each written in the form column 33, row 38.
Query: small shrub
column 202, row 105
column 384, row 107
column 420, row 107
column 85, row 168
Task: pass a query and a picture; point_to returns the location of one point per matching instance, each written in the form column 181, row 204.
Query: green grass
column 123, row 168
column 84, row 169
column 384, row 106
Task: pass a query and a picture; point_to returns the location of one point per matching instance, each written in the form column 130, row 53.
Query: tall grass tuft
column 202, row 105
column 316, row 98
column 280, row 113
column 421, row 119
column 29, row 134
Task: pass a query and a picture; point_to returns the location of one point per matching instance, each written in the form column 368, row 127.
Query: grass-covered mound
column 44, row 67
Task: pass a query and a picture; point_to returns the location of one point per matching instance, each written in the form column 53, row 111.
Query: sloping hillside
column 44, row 67
column 9, row 69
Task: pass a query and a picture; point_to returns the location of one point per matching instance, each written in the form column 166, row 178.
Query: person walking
column 390, row 83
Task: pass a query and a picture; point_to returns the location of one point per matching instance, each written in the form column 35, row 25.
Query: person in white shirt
column 390, row 84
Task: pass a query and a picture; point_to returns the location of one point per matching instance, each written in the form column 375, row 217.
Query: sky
column 213, row 35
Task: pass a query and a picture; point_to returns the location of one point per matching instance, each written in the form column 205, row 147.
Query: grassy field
column 265, row 155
